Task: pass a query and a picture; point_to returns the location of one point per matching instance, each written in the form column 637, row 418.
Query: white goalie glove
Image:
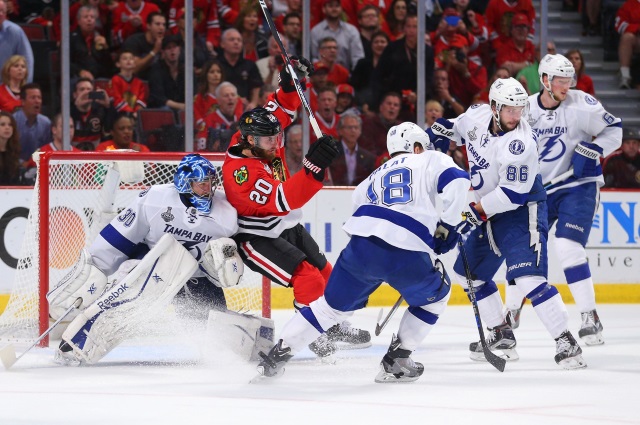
column 84, row 280
column 222, row 263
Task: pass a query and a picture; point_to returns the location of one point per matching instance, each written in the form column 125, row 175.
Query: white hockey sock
column 553, row 315
column 512, row 297
column 490, row 309
column 577, row 272
column 417, row 322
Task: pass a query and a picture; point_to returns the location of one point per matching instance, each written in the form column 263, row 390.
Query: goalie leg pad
column 84, row 280
column 222, row 262
column 243, row 334
column 137, row 298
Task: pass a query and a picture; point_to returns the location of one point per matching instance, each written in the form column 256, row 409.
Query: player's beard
column 263, row 153
column 507, row 126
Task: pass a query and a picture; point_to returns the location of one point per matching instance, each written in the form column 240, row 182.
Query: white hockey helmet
column 402, row 138
column 508, row 91
column 556, row 66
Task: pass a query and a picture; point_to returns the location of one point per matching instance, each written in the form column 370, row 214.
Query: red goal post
column 72, row 196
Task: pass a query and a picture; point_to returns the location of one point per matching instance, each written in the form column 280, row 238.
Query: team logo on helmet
column 241, row 175
column 516, row 147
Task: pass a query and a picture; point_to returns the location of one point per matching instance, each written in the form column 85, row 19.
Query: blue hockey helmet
column 194, row 168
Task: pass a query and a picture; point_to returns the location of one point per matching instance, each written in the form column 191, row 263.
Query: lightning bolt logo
column 534, row 235
column 549, row 146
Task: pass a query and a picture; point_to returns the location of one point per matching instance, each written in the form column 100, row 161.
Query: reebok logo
column 574, row 227
column 105, row 303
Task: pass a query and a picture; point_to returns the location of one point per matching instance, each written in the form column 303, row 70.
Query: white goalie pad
column 243, row 334
column 84, row 280
column 137, row 298
column 222, row 262
column 131, row 172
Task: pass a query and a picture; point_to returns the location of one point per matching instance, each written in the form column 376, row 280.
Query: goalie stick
column 8, row 353
column 380, row 325
column 287, row 62
column 496, row 361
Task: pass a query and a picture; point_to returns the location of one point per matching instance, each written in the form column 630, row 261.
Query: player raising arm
column 396, row 234
column 574, row 131
column 186, row 229
column 510, row 215
column 271, row 239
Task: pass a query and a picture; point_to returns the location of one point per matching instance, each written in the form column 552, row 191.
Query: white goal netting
column 71, row 203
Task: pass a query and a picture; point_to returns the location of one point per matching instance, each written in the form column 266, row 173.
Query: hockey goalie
column 172, row 243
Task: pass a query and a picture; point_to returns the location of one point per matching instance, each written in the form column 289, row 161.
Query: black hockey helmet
column 259, row 122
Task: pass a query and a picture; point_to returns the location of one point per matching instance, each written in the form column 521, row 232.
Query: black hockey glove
column 320, row 155
column 302, row 67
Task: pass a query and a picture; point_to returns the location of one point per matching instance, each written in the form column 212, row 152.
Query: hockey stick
column 558, row 179
column 287, row 62
column 496, row 361
column 8, row 353
column 380, row 326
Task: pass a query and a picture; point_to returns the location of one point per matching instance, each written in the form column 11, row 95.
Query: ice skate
column 397, row 365
column 499, row 340
column 591, row 329
column 272, row 364
column 568, row 352
column 65, row 356
column 346, row 337
column 324, row 348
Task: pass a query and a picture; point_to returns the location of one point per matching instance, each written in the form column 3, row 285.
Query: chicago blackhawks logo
column 241, row 175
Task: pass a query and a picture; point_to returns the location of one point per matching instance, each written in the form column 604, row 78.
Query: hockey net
column 72, row 197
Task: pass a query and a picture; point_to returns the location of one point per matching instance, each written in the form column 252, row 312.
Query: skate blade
column 510, row 355
column 348, row 346
column 388, row 378
column 595, row 339
column 575, row 362
column 260, row 377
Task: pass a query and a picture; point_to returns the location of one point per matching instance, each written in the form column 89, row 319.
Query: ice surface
column 179, row 379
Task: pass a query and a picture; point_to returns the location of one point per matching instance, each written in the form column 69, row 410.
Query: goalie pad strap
column 128, row 303
column 84, row 280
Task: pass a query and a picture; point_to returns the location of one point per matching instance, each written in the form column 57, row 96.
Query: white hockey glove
column 222, row 263
column 84, row 280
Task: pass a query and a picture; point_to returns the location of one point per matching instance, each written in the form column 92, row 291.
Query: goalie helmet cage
column 73, row 198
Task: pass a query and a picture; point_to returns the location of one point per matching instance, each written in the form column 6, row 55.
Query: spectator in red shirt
column 353, row 8
column 122, row 136
column 318, row 81
column 55, row 144
column 205, row 101
column 14, row 76
column 255, row 43
column 621, row 169
column 466, row 78
column 452, row 29
column 517, row 51
column 223, row 119
column 129, row 18
column 628, row 26
column 328, row 54
column 500, row 12
column 585, row 83
column 326, row 113
column 128, row 93
column 375, row 127
column 394, row 19
column 483, row 95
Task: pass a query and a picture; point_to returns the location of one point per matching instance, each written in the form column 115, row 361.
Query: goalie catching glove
column 320, row 155
column 222, row 263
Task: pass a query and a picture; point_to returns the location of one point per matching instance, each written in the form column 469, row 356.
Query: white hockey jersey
column 503, row 167
column 579, row 118
column 157, row 211
column 397, row 202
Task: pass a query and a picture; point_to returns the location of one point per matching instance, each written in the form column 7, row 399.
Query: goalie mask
column 508, row 94
column 196, row 177
column 403, row 137
column 266, row 130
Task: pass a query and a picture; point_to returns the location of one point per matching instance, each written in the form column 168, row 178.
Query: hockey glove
column 586, row 160
column 471, row 219
column 302, row 68
column 320, row 156
column 440, row 133
column 446, row 237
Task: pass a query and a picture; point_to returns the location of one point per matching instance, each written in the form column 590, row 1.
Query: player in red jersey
column 257, row 183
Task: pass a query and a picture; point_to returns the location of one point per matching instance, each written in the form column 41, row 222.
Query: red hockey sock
column 308, row 283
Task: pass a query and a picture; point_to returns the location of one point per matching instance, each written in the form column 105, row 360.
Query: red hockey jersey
column 127, row 96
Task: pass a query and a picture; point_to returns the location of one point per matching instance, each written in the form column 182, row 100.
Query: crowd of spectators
column 128, row 56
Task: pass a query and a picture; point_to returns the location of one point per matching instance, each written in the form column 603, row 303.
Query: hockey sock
column 308, row 283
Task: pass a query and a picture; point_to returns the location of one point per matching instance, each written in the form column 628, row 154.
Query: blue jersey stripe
column 399, row 219
column 449, row 175
column 119, row 242
column 515, row 197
